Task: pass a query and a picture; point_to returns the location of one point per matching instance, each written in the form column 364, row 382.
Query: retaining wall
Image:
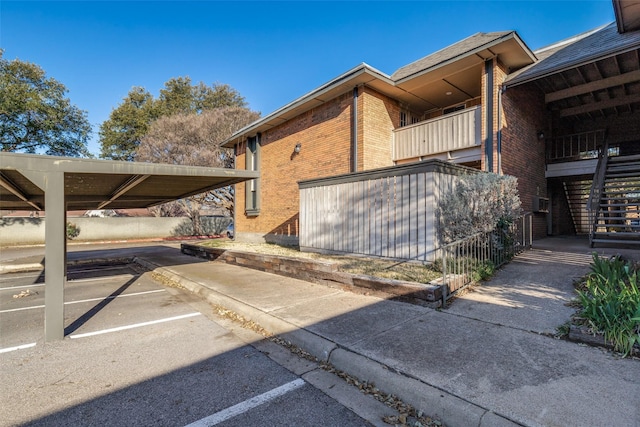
column 20, row 231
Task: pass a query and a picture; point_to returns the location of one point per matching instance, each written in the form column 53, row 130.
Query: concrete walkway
column 485, row 361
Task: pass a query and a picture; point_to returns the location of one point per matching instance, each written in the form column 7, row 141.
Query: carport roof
column 98, row 184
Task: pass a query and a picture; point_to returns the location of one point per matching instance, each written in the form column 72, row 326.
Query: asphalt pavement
column 488, row 360
column 138, row 353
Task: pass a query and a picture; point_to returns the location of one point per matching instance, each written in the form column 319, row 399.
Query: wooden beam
column 609, row 103
column 632, row 76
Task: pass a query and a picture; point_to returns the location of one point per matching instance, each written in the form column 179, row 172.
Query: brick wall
column 380, row 115
column 523, row 154
column 325, row 137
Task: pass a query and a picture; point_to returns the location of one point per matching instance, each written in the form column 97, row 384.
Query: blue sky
column 271, row 52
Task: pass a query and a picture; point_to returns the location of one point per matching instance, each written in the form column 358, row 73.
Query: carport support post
column 55, row 256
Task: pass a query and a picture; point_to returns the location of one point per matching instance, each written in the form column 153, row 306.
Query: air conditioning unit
column 540, row 204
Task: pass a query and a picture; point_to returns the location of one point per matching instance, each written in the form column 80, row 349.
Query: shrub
column 477, row 270
column 610, row 302
column 72, row 231
column 478, row 203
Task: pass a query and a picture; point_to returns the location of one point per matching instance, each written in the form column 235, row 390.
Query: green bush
column 72, row 231
column 478, row 202
column 483, row 271
column 611, row 302
column 477, row 270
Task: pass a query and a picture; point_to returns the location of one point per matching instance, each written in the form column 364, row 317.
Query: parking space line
column 97, row 279
column 11, row 288
column 86, row 300
column 243, row 407
column 136, row 325
column 18, row 347
column 91, row 279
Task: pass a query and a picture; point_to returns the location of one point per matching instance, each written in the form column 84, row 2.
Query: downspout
column 488, row 142
column 499, row 136
column 235, row 192
column 354, row 135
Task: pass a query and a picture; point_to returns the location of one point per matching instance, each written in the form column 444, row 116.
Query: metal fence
column 476, row 257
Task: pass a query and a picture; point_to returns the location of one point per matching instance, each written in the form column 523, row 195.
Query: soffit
column 422, row 85
column 594, row 77
column 627, row 15
column 96, row 184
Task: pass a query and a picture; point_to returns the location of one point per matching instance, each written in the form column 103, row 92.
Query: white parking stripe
column 18, row 347
column 12, row 288
column 85, row 300
column 136, row 325
column 243, row 407
column 93, row 279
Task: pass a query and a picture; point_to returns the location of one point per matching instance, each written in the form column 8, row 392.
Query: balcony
column 455, row 137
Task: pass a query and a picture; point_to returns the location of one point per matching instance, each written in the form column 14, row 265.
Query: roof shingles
column 450, row 52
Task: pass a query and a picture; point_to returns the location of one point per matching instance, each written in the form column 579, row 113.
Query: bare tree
column 194, row 140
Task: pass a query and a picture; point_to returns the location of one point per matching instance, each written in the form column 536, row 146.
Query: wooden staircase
column 617, row 214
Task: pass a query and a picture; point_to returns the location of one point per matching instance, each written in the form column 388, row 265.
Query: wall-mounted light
column 540, row 134
column 297, row 148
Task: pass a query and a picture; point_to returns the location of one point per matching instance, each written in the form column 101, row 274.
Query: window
column 252, row 188
column 403, row 118
column 406, row 118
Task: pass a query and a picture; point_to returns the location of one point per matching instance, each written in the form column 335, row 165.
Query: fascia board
column 353, row 74
column 489, row 45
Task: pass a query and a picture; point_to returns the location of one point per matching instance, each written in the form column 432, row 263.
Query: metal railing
column 595, row 194
column 476, row 257
column 577, row 146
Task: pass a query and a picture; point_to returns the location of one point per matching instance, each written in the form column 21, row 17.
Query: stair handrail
column 597, row 188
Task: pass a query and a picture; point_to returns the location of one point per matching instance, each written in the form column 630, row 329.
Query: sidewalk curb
column 308, row 341
column 453, row 410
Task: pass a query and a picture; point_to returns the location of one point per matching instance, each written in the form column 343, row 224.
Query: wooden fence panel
column 390, row 216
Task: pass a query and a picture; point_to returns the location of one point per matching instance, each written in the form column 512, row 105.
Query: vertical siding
column 452, row 132
column 393, row 216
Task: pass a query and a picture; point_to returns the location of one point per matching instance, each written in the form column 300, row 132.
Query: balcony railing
column 577, row 146
column 452, row 132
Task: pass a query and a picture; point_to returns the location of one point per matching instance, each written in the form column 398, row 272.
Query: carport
column 59, row 184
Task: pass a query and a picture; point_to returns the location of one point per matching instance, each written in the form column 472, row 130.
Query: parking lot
column 137, row 352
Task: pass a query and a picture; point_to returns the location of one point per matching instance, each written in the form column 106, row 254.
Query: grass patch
column 377, row 267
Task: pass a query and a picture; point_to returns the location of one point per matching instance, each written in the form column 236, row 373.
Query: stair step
column 634, row 166
column 613, row 174
column 612, row 191
column 619, row 205
column 618, row 159
column 621, row 235
column 626, row 242
column 604, row 200
column 635, row 230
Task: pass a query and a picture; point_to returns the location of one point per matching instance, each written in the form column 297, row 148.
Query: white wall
column 17, row 231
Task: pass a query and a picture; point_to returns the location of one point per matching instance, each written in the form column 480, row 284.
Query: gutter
column 354, row 130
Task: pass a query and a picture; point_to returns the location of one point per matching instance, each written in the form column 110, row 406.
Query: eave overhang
column 627, row 15
column 423, row 91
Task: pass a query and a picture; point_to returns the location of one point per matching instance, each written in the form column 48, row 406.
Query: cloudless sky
column 271, row 52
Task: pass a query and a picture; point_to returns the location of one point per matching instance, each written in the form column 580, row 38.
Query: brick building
column 487, row 102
